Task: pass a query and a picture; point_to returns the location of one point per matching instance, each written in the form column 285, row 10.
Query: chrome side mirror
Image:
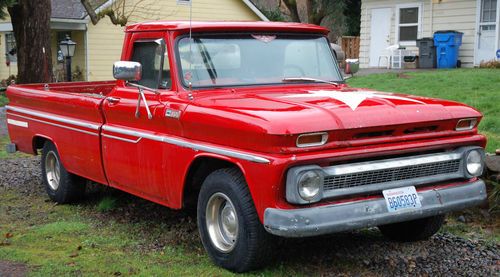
column 127, row 71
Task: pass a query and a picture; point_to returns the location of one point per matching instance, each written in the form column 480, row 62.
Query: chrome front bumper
column 321, row 220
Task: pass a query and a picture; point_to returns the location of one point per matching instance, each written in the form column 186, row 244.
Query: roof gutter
column 68, row 20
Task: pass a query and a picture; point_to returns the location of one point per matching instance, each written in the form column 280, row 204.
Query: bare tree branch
column 90, row 11
column 119, row 13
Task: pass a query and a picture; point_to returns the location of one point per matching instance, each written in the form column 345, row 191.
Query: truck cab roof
column 204, row 26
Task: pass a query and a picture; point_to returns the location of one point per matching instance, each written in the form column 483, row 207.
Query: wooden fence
column 350, row 46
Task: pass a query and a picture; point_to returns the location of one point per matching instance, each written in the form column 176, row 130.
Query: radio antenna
column 190, row 95
column 190, row 20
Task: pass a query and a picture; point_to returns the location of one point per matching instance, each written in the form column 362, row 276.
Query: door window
column 153, row 57
column 488, row 10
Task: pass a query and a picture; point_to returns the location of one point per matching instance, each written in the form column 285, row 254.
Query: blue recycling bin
column 447, row 44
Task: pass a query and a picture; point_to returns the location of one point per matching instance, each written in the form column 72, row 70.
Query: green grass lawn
column 3, row 100
column 479, row 88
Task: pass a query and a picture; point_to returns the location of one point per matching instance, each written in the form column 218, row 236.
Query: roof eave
column 255, row 10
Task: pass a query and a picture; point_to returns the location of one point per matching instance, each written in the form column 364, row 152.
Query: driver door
column 132, row 161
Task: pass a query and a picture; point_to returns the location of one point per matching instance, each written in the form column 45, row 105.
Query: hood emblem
column 351, row 99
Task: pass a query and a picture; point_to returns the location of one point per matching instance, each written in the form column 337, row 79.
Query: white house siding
column 457, row 15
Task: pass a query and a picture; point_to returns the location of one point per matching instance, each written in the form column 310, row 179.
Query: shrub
column 490, row 64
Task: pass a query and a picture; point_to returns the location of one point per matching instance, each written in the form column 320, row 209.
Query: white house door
column 487, row 31
column 380, row 30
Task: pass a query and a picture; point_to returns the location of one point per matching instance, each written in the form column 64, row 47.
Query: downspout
column 87, row 71
column 431, row 11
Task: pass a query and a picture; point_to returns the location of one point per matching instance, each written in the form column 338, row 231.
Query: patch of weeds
column 4, row 140
column 494, row 197
column 107, row 204
column 471, row 230
column 3, row 100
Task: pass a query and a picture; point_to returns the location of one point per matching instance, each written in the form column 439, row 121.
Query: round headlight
column 474, row 163
column 309, row 185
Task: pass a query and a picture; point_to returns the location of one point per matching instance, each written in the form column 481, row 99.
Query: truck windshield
column 255, row 59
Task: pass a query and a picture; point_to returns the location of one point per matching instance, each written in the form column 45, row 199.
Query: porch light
column 67, row 47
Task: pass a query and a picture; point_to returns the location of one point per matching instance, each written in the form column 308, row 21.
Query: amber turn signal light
column 312, row 139
column 466, row 124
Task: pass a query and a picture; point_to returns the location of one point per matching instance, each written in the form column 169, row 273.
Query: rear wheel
column 61, row 186
column 414, row 230
column 229, row 227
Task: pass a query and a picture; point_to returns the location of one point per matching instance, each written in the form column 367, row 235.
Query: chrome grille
column 390, row 175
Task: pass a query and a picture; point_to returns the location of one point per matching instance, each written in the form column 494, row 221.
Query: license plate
column 401, row 199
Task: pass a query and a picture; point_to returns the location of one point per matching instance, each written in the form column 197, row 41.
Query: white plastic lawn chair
column 388, row 55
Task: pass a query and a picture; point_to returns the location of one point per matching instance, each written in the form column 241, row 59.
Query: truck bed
column 66, row 113
column 93, row 89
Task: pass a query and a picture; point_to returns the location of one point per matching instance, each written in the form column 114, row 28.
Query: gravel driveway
column 366, row 250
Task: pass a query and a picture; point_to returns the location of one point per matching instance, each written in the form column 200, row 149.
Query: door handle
column 113, row 100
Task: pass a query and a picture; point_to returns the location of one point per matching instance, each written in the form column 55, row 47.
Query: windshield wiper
column 306, row 79
column 207, row 60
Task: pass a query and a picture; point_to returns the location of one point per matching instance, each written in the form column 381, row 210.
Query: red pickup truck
column 252, row 124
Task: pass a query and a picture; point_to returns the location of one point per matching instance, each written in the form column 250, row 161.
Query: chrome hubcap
column 52, row 170
column 222, row 222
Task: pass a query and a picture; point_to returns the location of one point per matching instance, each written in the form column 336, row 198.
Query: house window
column 10, row 47
column 409, row 24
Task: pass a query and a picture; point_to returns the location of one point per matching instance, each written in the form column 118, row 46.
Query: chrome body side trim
column 61, row 119
column 186, row 144
column 122, row 139
column 18, row 123
column 55, row 124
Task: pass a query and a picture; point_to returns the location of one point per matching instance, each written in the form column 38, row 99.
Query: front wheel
column 414, row 230
column 61, row 186
column 229, row 227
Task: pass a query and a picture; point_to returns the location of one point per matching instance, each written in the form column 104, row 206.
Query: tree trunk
column 291, row 5
column 31, row 25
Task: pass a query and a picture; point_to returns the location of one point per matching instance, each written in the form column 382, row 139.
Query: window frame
column 419, row 24
column 183, row 84
column 162, row 43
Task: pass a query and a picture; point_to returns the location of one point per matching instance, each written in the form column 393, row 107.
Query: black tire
column 252, row 247
column 414, row 230
column 69, row 187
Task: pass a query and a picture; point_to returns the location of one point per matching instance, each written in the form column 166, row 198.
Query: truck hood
column 322, row 109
